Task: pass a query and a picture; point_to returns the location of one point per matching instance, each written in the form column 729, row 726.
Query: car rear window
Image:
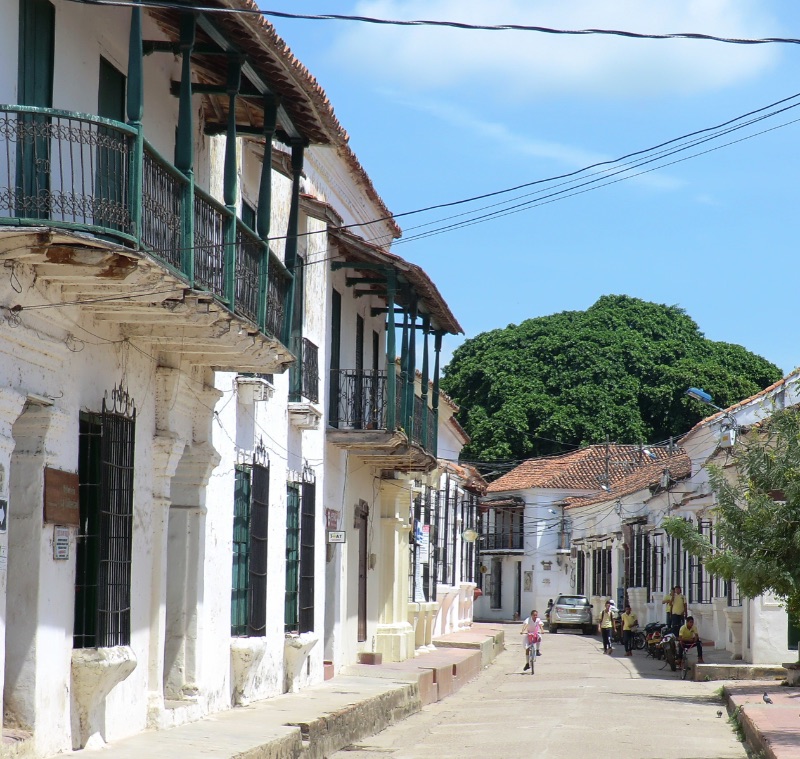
column 572, row 601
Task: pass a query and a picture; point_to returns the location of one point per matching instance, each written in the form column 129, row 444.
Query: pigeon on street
column 766, row 698
column 719, row 712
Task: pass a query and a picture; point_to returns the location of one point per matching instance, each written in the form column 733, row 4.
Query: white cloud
column 498, row 134
column 522, row 65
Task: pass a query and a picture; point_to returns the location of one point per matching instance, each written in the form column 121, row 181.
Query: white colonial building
column 204, row 379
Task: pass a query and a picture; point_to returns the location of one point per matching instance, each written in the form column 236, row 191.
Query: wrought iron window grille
column 105, row 534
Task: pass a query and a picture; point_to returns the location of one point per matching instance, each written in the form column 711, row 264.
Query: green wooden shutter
column 336, row 329
column 37, row 23
column 241, row 552
column 292, row 557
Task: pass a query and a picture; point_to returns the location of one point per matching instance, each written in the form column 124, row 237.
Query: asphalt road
column 579, row 703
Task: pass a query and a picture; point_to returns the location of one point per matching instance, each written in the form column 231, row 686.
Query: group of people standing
column 678, row 618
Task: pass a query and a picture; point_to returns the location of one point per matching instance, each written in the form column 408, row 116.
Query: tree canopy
column 618, row 370
column 757, row 514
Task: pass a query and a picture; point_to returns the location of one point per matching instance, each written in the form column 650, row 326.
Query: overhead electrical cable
column 460, row 25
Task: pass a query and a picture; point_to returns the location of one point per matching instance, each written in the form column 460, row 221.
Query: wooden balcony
column 118, row 231
column 360, row 420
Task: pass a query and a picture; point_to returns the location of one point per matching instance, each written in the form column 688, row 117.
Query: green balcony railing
column 87, row 173
column 361, row 403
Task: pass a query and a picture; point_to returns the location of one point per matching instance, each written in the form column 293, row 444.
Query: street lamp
column 469, row 535
column 701, row 395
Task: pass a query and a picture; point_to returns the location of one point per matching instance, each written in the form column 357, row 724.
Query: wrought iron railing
column 362, row 399
column 66, row 169
column 304, row 375
column 162, row 208
column 76, row 171
column 503, row 541
column 209, row 244
column 360, row 402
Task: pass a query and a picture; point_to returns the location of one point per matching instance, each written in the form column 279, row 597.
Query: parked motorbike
column 653, row 635
column 672, row 651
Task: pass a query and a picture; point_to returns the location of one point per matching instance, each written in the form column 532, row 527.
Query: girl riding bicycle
column 532, row 629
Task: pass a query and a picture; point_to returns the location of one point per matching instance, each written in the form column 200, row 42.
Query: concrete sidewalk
column 772, row 730
column 318, row 721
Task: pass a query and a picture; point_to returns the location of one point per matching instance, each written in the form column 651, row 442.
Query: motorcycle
column 672, row 651
column 653, row 634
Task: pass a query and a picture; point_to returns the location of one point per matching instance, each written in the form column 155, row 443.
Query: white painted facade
column 199, row 414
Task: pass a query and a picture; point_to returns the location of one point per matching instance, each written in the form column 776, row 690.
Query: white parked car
column 571, row 611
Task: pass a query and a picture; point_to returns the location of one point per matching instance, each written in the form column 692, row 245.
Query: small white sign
column 337, row 536
column 60, row 542
column 3, row 558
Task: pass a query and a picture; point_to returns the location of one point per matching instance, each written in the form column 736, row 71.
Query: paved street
column 579, row 703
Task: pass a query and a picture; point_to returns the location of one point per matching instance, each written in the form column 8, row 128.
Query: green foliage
column 618, row 369
column 761, row 535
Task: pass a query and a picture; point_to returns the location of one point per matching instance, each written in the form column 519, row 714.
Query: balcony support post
column 403, row 421
column 184, row 149
column 135, row 111
column 264, row 210
column 423, row 433
column 437, row 350
column 230, row 189
column 412, row 372
column 292, row 231
column 391, row 354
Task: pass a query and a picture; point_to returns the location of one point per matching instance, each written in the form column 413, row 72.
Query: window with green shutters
column 300, row 553
column 241, row 550
column 250, row 529
column 292, row 556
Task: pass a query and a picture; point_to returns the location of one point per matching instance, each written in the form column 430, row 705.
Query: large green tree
column 757, row 514
column 617, row 370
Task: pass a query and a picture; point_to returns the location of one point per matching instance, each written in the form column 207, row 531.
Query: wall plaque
column 61, row 497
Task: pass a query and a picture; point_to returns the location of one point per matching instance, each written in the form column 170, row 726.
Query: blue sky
column 435, row 115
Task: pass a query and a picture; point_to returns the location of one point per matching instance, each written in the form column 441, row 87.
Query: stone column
column 394, row 635
column 167, row 452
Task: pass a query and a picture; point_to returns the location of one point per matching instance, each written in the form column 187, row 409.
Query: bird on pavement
column 719, row 712
column 766, row 698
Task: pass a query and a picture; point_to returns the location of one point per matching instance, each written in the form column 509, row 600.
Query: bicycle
column 683, row 664
column 533, row 641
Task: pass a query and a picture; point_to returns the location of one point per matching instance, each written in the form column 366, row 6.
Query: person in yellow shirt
column 667, row 601
column 629, row 623
column 678, row 610
column 605, row 626
column 689, row 637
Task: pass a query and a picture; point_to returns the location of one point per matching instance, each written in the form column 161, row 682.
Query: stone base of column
column 395, row 642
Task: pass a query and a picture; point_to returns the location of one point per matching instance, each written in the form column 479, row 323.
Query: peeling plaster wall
column 40, row 673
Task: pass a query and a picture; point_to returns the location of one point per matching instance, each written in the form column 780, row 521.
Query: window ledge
column 253, row 389
column 95, row 673
column 246, row 656
column 305, row 415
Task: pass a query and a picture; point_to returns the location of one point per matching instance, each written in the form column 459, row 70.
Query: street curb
column 754, row 740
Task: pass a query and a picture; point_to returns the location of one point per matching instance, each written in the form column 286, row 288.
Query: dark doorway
column 362, row 521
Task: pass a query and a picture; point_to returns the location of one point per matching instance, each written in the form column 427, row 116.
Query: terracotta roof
column 648, row 475
column 459, row 430
column 355, row 249
column 469, row 475
column 787, row 380
column 584, row 469
column 302, row 97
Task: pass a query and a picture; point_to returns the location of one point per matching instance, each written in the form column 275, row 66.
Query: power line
column 459, row 25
